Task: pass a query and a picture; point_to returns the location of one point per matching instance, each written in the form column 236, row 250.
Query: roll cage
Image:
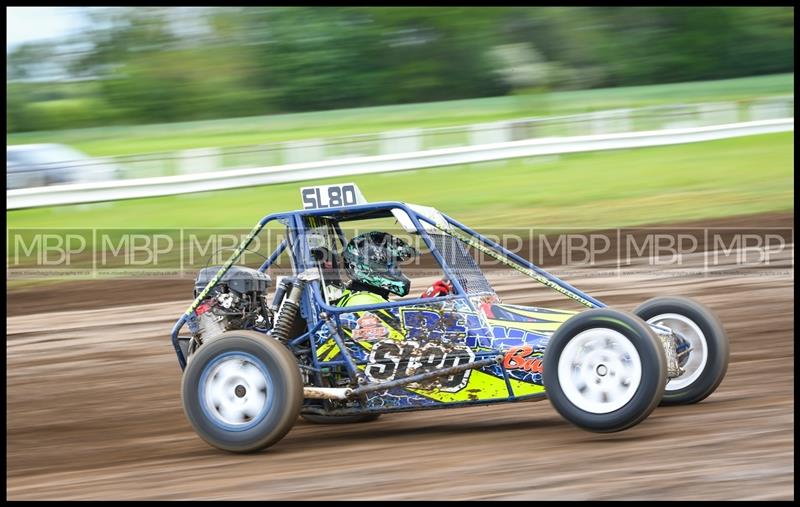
column 315, row 309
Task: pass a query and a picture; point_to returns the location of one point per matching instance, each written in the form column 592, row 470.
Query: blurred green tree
column 163, row 64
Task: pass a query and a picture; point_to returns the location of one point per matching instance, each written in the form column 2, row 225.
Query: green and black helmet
column 371, row 259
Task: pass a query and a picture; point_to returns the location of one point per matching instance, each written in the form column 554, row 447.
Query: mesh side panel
column 462, row 264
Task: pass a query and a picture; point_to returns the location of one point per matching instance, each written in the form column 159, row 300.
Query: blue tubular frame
column 572, row 291
column 272, row 258
column 335, row 311
column 223, row 269
column 313, row 301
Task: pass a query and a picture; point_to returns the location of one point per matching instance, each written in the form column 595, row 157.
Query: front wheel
column 604, row 370
column 242, row 391
column 703, row 351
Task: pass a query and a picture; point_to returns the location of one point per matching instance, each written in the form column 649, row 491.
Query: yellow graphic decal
column 482, row 386
column 547, row 321
column 328, row 350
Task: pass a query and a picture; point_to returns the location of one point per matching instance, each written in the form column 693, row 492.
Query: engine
column 238, row 301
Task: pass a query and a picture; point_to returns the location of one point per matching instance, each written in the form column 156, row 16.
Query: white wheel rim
column 599, row 370
column 698, row 357
column 235, row 391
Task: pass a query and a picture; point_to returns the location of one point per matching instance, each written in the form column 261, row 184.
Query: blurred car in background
column 37, row 165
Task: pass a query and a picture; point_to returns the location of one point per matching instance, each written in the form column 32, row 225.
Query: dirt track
column 94, row 412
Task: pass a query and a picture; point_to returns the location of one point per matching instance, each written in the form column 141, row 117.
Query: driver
column 371, row 261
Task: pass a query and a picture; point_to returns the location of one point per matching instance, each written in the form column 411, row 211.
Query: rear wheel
column 604, row 370
column 702, row 346
column 242, row 391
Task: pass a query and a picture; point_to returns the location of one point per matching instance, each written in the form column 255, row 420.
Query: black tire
column 718, row 349
column 282, row 391
column 339, row 419
column 626, row 330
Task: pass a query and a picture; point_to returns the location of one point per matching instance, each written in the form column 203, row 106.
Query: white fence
column 673, row 116
column 420, row 159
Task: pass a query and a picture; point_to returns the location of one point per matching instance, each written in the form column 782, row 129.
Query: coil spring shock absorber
column 291, row 304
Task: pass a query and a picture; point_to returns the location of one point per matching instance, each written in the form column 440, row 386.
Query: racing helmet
column 371, row 259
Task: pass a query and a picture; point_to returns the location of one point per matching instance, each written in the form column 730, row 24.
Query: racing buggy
column 253, row 363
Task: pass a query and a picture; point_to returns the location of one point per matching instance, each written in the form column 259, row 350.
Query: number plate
column 331, row 196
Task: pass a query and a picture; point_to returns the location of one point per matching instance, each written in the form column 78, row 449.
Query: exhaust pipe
column 326, row 393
